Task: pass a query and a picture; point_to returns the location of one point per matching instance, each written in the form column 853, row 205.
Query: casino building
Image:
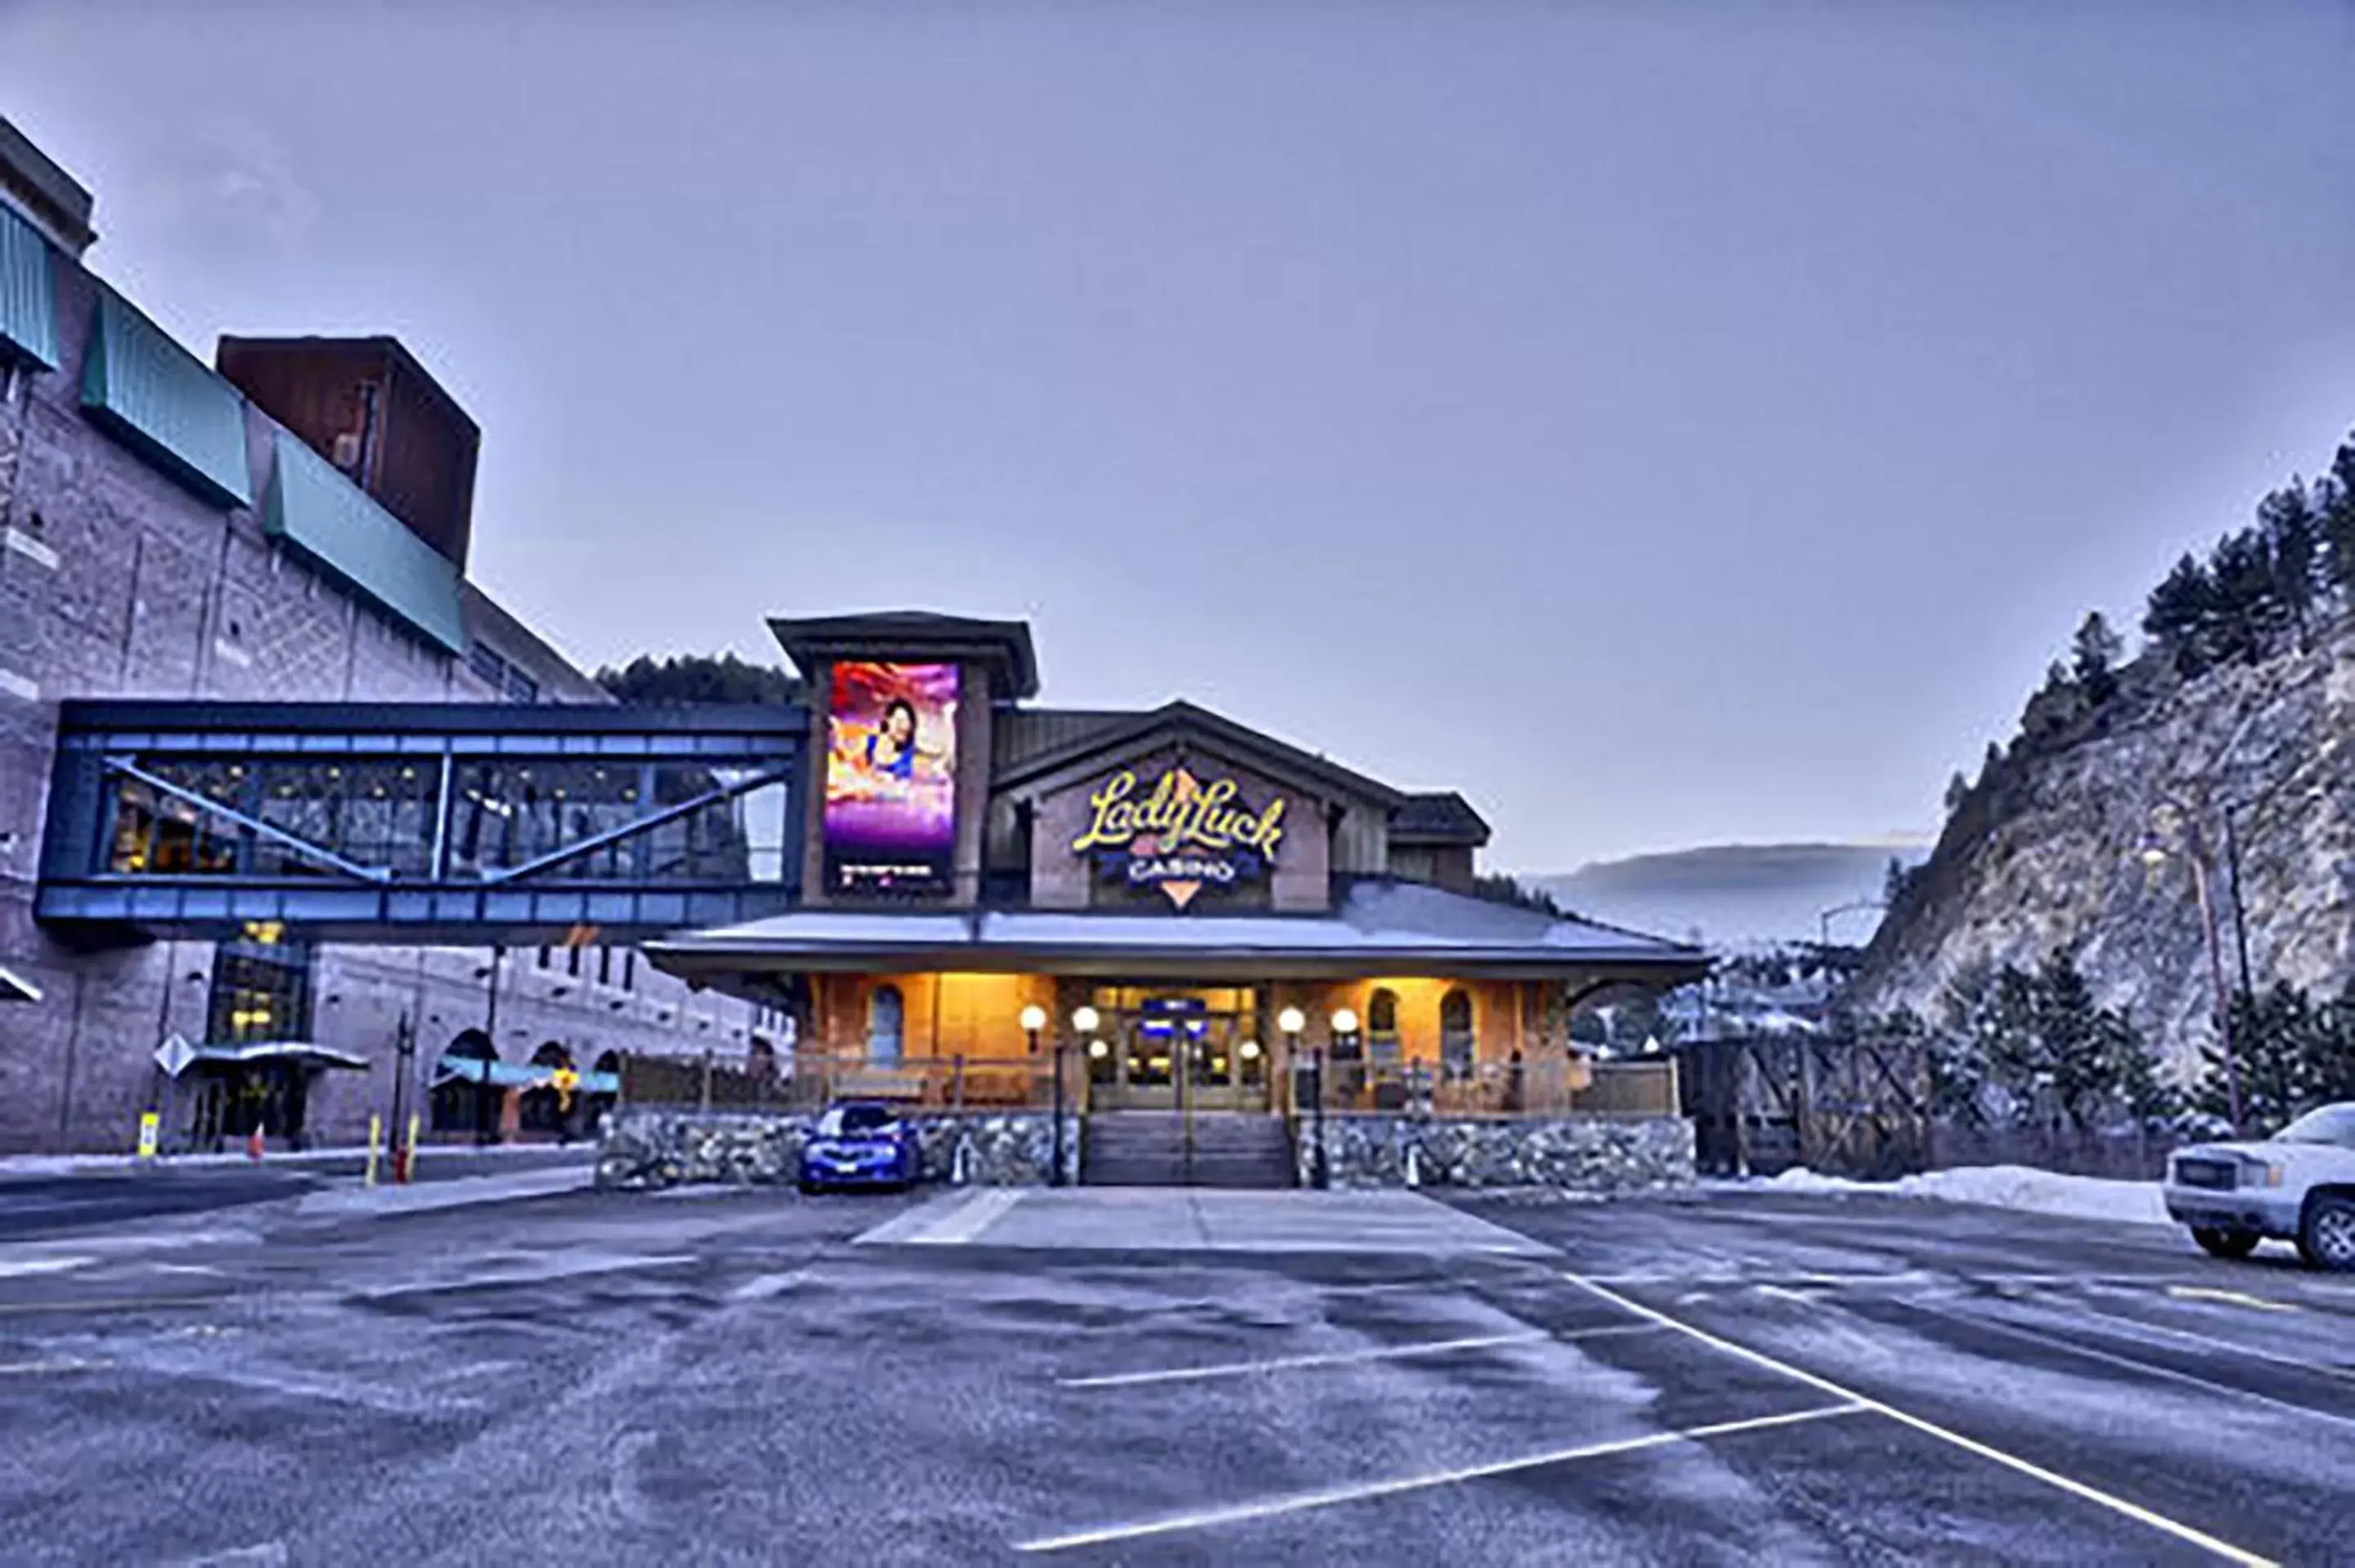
column 1189, row 915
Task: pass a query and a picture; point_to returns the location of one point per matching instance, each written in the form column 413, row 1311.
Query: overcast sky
column 1666, row 424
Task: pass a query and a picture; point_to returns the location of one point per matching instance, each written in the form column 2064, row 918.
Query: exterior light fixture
column 1034, row 1018
column 1085, row 1019
column 1098, row 1050
column 1248, row 1050
column 1343, row 1021
column 1292, row 1020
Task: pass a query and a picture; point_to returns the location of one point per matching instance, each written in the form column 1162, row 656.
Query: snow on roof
column 1377, row 918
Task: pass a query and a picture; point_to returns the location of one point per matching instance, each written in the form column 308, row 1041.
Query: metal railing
column 977, row 1085
column 1550, row 1088
column 951, row 1084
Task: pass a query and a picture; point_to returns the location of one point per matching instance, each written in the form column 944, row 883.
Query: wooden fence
column 1860, row 1107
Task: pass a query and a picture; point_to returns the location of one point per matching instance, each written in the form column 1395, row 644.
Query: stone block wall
column 114, row 581
column 1583, row 1154
column 644, row 1147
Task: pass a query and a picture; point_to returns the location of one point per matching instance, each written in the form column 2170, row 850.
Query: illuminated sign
column 1181, row 836
column 890, row 777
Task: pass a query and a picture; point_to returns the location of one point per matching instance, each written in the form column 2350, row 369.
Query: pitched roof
column 1005, row 644
column 1382, row 927
column 1441, row 818
column 1180, row 716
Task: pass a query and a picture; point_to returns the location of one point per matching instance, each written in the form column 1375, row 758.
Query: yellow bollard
column 150, row 1129
column 409, row 1169
column 375, row 1131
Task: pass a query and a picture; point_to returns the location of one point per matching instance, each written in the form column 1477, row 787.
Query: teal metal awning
column 513, row 1075
column 29, row 306
column 160, row 400
column 333, row 523
column 307, row 1052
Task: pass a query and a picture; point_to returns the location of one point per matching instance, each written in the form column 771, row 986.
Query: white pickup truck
column 2298, row 1185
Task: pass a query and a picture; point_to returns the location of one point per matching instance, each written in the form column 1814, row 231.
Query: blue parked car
column 859, row 1143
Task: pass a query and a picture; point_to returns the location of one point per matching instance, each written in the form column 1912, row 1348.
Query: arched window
column 886, row 1014
column 542, row 1109
column 464, row 1098
column 597, row 1106
column 1382, row 1027
column 1456, row 1031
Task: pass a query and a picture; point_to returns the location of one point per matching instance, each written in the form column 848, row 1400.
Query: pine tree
column 2248, row 612
column 2179, row 614
column 2293, row 537
column 2333, row 499
column 1958, row 790
column 2095, row 657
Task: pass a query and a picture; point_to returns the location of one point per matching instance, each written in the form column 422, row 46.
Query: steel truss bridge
column 450, row 824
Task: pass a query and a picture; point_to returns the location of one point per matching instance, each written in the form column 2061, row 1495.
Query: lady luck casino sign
column 1181, row 836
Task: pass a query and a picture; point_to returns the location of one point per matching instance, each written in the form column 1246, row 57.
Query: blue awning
column 513, row 1075
column 332, row 522
column 164, row 403
column 29, row 306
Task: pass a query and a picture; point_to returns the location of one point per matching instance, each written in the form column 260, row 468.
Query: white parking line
column 988, row 1206
column 2150, row 1369
column 1359, row 1491
column 762, row 1287
column 1346, row 1358
column 2213, row 1342
column 2092, row 1494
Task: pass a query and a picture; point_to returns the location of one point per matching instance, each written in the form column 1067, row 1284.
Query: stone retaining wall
column 643, row 1148
column 1586, row 1154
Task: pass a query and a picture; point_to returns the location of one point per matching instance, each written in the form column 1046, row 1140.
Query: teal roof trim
column 334, row 523
column 160, row 400
column 28, row 301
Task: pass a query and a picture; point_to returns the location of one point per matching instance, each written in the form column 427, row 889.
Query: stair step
column 1128, row 1149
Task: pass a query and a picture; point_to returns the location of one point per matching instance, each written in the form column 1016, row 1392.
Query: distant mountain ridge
column 1736, row 895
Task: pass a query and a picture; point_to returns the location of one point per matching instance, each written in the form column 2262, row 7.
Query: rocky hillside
column 2078, row 837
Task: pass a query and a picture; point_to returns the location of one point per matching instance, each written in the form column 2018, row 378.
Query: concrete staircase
column 1149, row 1148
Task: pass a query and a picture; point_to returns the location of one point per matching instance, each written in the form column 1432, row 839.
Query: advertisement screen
column 890, row 777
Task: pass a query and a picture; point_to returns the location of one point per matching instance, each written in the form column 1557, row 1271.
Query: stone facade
column 647, row 1148
column 650, row 1148
column 115, row 581
column 1585, row 1154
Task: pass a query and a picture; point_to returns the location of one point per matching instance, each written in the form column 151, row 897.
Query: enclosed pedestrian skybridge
column 454, row 823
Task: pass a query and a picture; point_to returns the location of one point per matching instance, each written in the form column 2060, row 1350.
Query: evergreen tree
column 695, row 678
column 2180, row 611
column 1503, row 887
column 2335, row 500
column 1892, row 881
column 2095, row 657
column 2251, row 615
column 2293, row 537
column 1958, row 790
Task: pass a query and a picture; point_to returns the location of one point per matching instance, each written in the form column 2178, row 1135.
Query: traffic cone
column 253, row 1145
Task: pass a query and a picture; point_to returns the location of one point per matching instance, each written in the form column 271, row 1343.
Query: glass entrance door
column 1195, row 1051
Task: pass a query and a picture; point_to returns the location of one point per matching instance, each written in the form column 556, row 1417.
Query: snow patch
column 2016, row 1187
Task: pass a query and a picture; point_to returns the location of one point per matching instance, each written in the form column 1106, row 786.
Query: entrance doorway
column 1177, row 1050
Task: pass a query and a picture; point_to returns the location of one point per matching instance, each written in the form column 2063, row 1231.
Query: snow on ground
column 2004, row 1187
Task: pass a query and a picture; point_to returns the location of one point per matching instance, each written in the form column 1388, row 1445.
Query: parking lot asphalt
column 1096, row 1378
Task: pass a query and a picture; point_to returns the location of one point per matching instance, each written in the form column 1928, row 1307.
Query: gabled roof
column 1382, row 927
column 1138, row 732
column 1443, row 818
column 1005, row 645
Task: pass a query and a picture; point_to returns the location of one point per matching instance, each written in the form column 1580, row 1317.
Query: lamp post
column 2154, row 854
column 1292, row 1020
column 1085, row 1021
column 1034, row 1019
column 1343, row 1024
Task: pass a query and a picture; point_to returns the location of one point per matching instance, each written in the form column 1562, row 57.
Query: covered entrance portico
column 1177, row 1048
